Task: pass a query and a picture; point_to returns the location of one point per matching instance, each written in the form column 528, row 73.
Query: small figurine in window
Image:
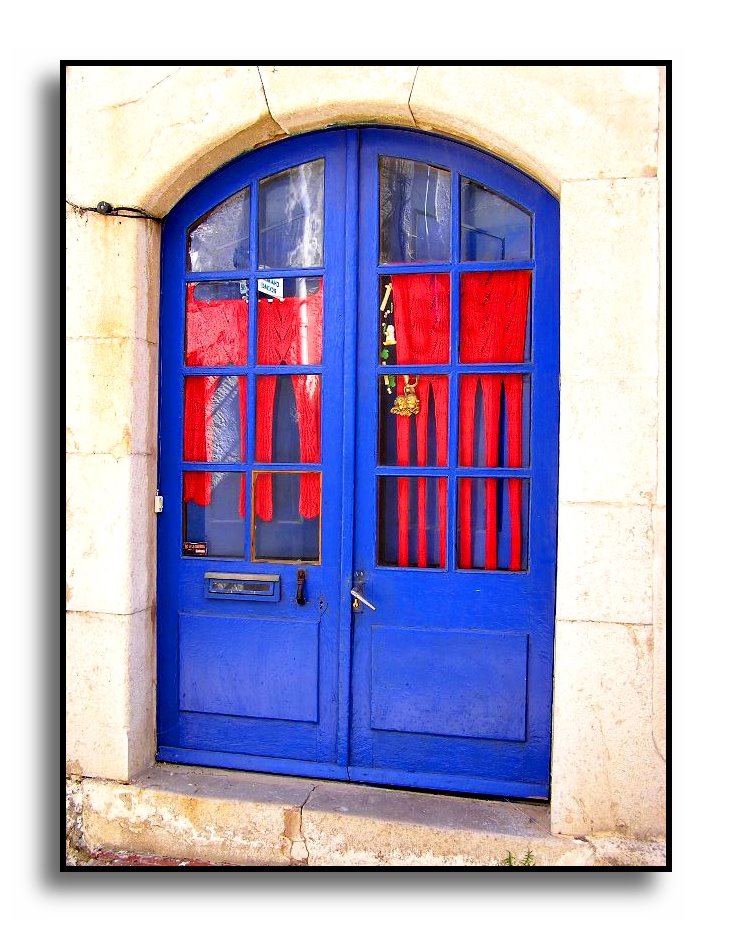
column 407, row 404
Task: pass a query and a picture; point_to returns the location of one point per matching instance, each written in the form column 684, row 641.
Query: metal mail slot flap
column 254, row 587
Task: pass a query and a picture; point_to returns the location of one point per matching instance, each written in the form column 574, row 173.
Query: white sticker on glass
column 272, row 287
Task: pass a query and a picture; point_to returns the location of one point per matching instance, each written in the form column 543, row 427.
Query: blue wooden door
column 455, row 528
column 359, row 392
column 251, row 465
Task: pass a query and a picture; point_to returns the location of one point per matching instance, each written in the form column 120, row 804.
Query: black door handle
column 300, row 598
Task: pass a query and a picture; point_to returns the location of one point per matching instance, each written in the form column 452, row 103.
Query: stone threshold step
column 228, row 817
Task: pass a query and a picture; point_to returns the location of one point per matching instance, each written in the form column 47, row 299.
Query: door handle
column 357, row 592
column 358, row 598
column 300, row 597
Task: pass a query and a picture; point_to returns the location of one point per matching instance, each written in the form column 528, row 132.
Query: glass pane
column 494, row 316
column 414, row 211
column 413, row 420
column 288, row 419
column 214, row 419
column 291, row 218
column 216, row 323
column 290, row 324
column 491, row 228
column 214, row 510
column 287, row 516
column 414, row 319
column 412, row 521
column 219, row 241
column 494, row 416
column 493, row 524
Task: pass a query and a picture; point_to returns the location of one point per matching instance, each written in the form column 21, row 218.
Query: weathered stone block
column 112, row 278
column 607, row 775
column 109, row 677
column 122, row 129
column 555, row 122
column 605, row 563
column 110, row 396
column 609, row 279
column 219, row 816
column 303, row 98
column 614, row 851
column 110, row 540
column 608, row 440
column 368, row 826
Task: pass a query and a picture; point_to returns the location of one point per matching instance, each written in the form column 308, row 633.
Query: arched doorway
column 358, row 459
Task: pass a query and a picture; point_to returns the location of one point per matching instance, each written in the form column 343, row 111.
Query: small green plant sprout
column 526, row 861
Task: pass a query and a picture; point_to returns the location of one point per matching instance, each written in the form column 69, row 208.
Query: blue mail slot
column 254, row 587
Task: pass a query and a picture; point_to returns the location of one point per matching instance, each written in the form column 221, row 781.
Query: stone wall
column 595, row 136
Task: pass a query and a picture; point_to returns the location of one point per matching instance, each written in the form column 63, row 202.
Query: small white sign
column 272, row 287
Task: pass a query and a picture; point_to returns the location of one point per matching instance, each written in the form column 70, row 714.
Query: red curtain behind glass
column 216, row 335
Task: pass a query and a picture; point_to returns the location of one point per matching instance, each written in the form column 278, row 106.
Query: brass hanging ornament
column 407, row 404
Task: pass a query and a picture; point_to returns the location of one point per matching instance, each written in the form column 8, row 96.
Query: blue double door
column 358, row 463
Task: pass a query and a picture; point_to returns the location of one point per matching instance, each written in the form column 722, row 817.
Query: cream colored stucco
column 144, row 135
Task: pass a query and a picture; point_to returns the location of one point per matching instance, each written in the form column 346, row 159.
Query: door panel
column 454, row 533
column 359, row 383
column 279, row 681
column 486, row 673
column 251, row 473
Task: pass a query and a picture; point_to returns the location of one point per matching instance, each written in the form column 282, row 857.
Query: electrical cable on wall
column 107, row 210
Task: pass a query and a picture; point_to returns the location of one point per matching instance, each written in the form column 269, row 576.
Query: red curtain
column 493, row 312
column 289, row 331
column 216, row 330
column 422, row 328
column 216, row 335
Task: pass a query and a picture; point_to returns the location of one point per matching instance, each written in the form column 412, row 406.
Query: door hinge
column 158, row 504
